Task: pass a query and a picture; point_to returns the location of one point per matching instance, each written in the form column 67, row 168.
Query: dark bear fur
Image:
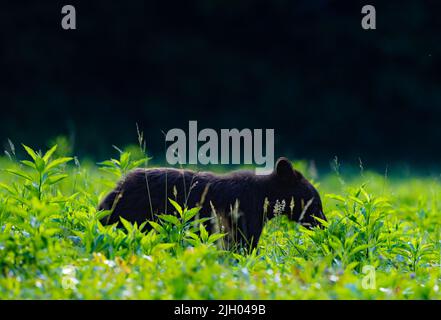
column 242, row 201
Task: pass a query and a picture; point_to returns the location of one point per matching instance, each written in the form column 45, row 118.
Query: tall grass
column 53, row 246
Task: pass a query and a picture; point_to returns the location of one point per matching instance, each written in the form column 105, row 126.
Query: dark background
column 305, row 68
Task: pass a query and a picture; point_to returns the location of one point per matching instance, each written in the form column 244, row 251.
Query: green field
column 382, row 241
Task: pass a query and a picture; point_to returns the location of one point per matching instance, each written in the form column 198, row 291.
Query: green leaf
column 124, row 159
column 163, row 246
column 352, row 265
column 169, row 218
column 137, row 163
column 113, row 171
column 30, row 152
column 29, row 164
column 203, row 233
column 356, row 200
column 56, row 178
column 323, row 222
column 335, row 197
column 103, row 213
column 51, row 231
column 8, row 188
column 201, row 220
column 359, row 248
column 127, row 225
column 157, row 226
column 189, row 214
column 365, row 194
column 106, row 163
column 49, row 153
column 142, row 226
column 19, row 173
column 335, row 243
column 176, row 205
column 354, row 219
column 192, row 235
column 40, row 164
column 193, row 242
column 214, row 237
column 57, row 162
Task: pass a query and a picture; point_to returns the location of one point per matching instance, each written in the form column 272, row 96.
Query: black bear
column 239, row 202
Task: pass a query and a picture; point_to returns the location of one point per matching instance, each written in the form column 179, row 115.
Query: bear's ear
column 285, row 171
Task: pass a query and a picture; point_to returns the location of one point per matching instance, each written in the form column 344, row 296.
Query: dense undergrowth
column 382, row 241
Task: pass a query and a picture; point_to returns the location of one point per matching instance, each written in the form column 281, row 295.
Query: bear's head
column 293, row 195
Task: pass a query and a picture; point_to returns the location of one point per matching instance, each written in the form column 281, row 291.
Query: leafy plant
column 53, row 246
column 120, row 167
column 44, row 171
column 182, row 229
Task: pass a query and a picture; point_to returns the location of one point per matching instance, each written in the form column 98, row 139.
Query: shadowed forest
column 305, row 68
